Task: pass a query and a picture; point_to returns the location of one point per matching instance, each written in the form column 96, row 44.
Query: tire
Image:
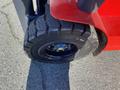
column 45, row 30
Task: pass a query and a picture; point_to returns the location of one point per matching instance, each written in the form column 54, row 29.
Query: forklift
column 60, row 31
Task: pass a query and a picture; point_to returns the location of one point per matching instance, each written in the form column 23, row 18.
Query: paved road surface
column 17, row 72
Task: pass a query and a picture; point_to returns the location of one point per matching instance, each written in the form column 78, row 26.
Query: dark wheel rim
column 59, row 49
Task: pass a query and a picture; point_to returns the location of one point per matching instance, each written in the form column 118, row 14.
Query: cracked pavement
column 17, row 72
column 14, row 65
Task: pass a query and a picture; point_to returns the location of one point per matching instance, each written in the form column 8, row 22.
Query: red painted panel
column 107, row 18
column 110, row 8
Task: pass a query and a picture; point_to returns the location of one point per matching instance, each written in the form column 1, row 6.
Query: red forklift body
column 106, row 18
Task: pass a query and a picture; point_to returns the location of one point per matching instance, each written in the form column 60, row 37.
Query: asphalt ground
column 18, row 72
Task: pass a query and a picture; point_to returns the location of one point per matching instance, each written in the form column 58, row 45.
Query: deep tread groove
column 86, row 32
column 59, row 30
column 50, row 20
column 79, row 27
column 84, row 29
column 73, row 26
column 32, row 31
column 47, row 27
column 66, row 25
column 41, row 25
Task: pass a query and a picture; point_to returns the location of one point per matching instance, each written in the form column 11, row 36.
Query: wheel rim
column 60, row 49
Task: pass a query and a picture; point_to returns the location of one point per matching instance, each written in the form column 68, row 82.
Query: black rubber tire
column 46, row 29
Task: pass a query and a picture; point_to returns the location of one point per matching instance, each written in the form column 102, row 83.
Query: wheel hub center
column 59, row 49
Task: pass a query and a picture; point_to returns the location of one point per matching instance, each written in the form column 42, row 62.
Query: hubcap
column 61, row 49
